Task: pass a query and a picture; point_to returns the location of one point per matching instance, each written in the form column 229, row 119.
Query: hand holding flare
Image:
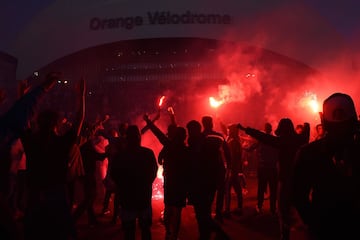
column 157, row 116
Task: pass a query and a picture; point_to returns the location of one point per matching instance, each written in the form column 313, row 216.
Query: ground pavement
column 249, row 226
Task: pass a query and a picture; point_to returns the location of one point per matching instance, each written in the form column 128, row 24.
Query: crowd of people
column 317, row 179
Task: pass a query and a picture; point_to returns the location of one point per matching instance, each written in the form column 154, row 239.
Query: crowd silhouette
column 43, row 157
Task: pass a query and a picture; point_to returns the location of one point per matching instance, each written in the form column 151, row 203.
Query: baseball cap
column 339, row 107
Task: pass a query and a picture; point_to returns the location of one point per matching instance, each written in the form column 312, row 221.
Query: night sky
column 341, row 14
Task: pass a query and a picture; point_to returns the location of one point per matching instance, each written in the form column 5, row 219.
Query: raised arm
column 163, row 139
column 157, row 116
column 18, row 116
column 261, row 136
column 172, row 115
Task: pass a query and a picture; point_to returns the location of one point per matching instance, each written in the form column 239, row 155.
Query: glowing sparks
column 158, row 185
column 158, row 189
column 314, row 105
column 215, row 103
column 310, row 101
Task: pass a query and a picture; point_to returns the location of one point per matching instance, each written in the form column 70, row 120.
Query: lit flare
column 215, row 103
column 161, row 101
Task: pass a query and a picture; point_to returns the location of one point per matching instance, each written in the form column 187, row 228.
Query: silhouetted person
column 303, row 130
column 90, row 156
column 267, row 172
column 171, row 131
column 236, row 172
column 112, row 136
column 175, row 159
column 327, row 174
column 203, row 189
column 117, row 143
column 217, row 150
column 48, row 213
column 287, row 141
column 203, row 171
column 134, row 175
column 13, row 124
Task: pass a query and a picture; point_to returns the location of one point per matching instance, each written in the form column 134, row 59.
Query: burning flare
column 310, row 101
column 215, row 103
column 161, row 101
column 314, row 105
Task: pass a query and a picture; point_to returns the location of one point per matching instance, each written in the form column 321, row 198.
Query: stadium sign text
column 158, row 18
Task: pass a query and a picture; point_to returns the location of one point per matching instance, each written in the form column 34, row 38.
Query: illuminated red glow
column 309, row 101
column 171, row 110
column 161, row 101
column 215, row 103
column 314, row 105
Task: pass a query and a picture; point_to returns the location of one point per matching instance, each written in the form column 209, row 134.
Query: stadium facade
column 138, row 50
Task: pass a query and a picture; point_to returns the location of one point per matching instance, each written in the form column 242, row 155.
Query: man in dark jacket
column 327, row 174
column 287, row 141
column 219, row 157
column 134, row 175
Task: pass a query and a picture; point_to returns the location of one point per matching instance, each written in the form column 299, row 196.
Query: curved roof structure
column 60, row 28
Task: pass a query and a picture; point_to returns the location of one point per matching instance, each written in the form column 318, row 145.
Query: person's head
column 339, row 118
column 180, row 135
column 207, row 122
column 122, row 128
column 193, row 127
column 171, row 130
column 285, row 128
column 48, row 120
column 133, row 136
column 320, row 130
column 194, row 131
column 268, row 128
column 233, row 131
